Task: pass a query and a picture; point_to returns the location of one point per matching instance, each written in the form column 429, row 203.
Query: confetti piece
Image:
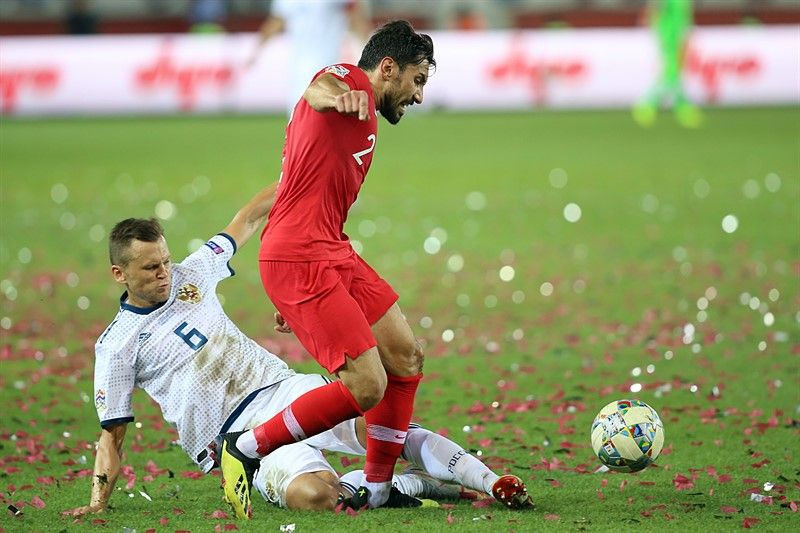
column 749, row 522
column 37, row 502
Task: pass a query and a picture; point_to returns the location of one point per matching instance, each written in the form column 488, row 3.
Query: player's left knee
column 405, row 359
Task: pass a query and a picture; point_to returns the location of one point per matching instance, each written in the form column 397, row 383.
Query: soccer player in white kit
column 316, row 31
column 172, row 338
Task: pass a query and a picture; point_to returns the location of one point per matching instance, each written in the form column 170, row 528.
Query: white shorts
column 281, row 467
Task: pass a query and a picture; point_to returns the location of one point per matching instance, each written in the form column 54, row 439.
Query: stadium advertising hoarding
column 566, row 68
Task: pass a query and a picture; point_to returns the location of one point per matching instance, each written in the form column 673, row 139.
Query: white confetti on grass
column 572, row 212
column 165, row 210
column 730, row 223
column 558, row 178
column 476, row 201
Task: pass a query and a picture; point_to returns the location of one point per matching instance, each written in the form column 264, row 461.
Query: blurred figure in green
column 671, row 21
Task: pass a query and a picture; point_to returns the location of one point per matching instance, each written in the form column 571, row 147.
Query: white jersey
column 316, row 31
column 185, row 353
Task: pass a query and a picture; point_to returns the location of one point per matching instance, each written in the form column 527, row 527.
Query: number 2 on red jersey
column 357, row 155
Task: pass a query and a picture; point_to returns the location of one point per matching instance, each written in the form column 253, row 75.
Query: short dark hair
column 398, row 40
column 140, row 229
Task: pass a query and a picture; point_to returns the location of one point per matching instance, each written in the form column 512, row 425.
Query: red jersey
column 325, row 160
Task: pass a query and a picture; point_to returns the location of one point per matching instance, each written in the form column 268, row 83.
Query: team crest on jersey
column 100, row 400
column 143, row 337
column 189, row 293
column 338, row 70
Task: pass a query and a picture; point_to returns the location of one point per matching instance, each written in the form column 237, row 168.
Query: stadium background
column 551, row 254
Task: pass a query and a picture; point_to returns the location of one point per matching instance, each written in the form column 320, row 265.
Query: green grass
column 626, row 278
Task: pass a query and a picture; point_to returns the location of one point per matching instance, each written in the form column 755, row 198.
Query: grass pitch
column 644, row 294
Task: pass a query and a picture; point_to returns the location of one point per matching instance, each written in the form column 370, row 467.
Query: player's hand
column 86, row 509
column 353, row 103
column 281, row 326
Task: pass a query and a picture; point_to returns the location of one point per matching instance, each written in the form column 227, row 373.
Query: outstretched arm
column 271, row 27
column 252, row 216
column 328, row 93
column 106, row 470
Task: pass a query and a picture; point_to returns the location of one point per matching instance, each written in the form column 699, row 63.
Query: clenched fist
column 353, row 103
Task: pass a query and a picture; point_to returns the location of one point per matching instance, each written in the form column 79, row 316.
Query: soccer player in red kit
column 341, row 310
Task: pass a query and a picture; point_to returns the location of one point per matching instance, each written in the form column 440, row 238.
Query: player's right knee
column 365, row 378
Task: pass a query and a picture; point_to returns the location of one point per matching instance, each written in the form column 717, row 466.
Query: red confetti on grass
column 682, row 482
column 450, row 518
column 346, row 461
column 552, row 517
column 480, row 504
column 192, row 474
column 728, row 509
column 164, row 521
column 750, row 521
column 600, row 495
column 793, row 506
column 37, row 502
column 724, row 478
column 219, row 514
column 99, row 522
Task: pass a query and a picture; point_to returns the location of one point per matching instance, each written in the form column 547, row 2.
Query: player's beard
column 391, row 106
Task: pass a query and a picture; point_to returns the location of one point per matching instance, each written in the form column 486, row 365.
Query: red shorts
column 330, row 305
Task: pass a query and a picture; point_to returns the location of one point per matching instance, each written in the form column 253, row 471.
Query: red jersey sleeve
column 343, row 73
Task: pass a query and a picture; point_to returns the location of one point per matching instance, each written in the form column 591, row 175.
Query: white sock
column 378, row 492
column 406, row 483
column 409, row 484
column 445, row 460
column 352, row 480
column 246, row 443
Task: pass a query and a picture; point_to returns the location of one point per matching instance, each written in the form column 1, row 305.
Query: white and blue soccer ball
column 627, row 435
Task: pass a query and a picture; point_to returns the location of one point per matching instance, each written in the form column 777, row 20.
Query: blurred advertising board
column 581, row 68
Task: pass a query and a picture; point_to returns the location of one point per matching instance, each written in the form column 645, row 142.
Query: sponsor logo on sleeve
column 338, row 70
column 189, row 293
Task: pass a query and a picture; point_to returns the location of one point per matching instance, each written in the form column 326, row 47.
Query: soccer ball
column 627, row 435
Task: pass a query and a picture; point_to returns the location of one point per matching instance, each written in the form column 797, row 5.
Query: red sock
column 314, row 412
column 387, row 424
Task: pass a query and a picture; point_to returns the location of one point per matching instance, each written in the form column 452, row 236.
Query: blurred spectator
column 316, row 30
column 468, row 19
column 671, row 21
column 80, row 19
column 207, row 16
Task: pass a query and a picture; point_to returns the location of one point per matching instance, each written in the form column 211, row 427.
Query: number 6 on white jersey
column 357, row 155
